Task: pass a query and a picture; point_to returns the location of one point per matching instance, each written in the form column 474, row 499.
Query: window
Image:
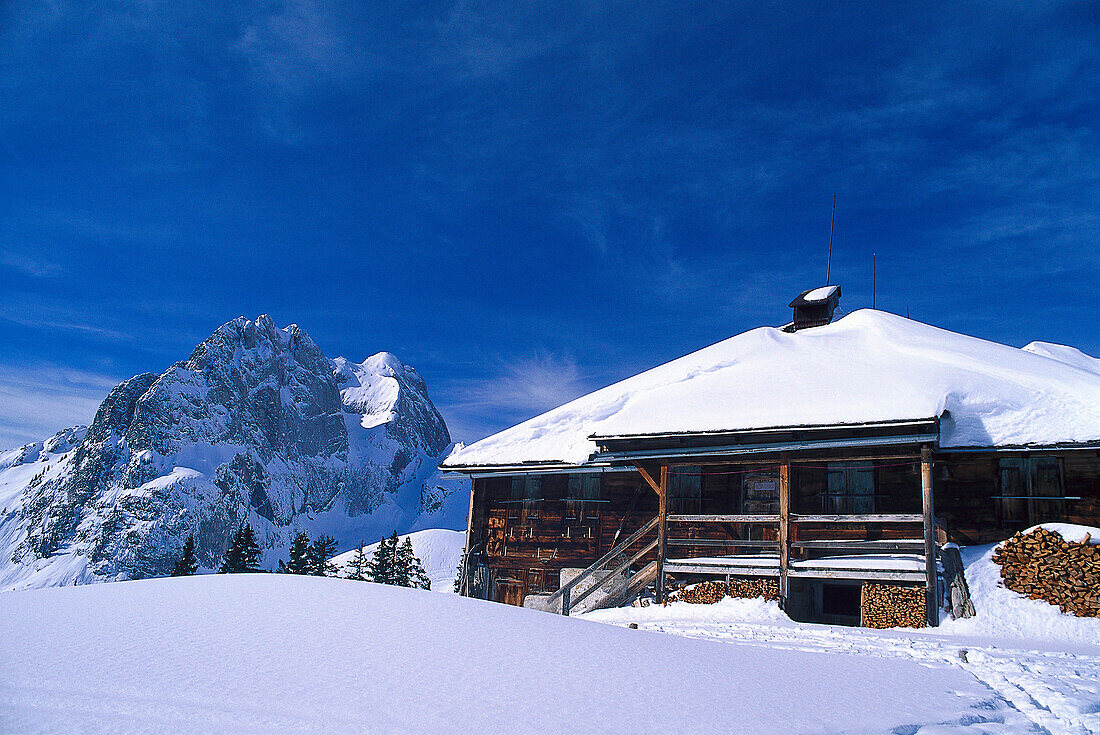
column 1023, row 481
column 685, row 490
column 526, row 493
column 851, row 488
column 760, row 493
column 582, row 495
column 526, row 487
column 584, row 486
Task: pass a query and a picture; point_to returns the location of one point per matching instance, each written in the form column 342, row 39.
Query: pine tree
column 187, row 564
column 380, row 569
column 413, row 569
column 319, row 554
column 300, row 560
column 359, row 566
column 402, row 562
column 232, row 561
column 243, row 554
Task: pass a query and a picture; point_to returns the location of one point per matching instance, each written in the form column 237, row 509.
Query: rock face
column 259, row 425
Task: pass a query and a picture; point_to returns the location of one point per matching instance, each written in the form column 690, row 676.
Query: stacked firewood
column 704, row 593
column 892, row 606
column 707, row 593
column 1044, row 566
column 754, row 587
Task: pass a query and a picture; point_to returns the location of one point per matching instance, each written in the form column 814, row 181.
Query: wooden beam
column 692, row 566
column 930, row 596
column 864, row 575
column 649, row 479
column 721, row 542
column 784, row 528
column 464, row 580
column 692, row 518
column 914, row 545
column 662, row 532
column 860, row 518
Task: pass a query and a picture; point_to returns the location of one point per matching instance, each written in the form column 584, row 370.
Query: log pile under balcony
column 892, row 606
column 707, row 593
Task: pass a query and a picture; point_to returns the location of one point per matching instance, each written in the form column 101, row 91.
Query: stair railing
column 565, row 592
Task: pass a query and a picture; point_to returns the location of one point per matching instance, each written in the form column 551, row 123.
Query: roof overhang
column 741, row 450
column 476, row 471
column 1018, row 448
column 899, row 433
column 916, row 424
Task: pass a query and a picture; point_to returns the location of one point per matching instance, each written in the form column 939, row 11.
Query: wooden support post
column 464, row 578
column 784, row 528
column 662, row 534
column 930, row 594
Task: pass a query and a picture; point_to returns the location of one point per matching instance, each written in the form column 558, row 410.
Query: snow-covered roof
column 869, row 366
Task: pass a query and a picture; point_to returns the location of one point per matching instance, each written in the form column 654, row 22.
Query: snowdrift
column 1003, row 613
column 280, row 653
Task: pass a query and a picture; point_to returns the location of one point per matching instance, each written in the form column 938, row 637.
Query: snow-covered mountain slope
column 1066, row 354
column 283, row 653
column 439, row 550
column 258, row 425
column 868, row 366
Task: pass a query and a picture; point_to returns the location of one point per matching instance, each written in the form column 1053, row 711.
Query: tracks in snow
column 1058, row 693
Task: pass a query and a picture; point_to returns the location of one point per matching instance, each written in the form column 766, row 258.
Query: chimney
column 814, row 308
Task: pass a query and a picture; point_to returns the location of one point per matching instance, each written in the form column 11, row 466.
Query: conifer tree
column 232, row 561
column 359, row 566
column 412, row 570
column 300, row 561
column 380, row 569
column 402, row 562
column 187, row 564
column 319, row 554
column 243, row 554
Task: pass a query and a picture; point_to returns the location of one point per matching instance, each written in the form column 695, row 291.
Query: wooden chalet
column 889, row 439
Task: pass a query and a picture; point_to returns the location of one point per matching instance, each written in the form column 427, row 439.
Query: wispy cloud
column 518, row 389
column 37, row 401
column 29, row 265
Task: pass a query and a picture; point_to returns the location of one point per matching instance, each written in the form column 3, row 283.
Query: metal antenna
column 874, row 278
column 829, row 264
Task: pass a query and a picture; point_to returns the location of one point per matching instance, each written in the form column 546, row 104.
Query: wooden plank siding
column 539, row 539
column 967, row 486
column 527, row 544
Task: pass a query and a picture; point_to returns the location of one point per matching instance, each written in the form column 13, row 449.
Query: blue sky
column 528, row 201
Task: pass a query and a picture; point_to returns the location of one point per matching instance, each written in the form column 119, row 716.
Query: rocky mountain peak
column 256, row 424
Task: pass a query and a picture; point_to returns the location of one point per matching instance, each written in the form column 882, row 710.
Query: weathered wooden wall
column 967, row 486
column 528, row 543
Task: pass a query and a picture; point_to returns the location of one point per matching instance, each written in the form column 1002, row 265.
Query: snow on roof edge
column 868, row 367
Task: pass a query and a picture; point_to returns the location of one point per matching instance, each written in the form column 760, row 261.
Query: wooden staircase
column 616, row 566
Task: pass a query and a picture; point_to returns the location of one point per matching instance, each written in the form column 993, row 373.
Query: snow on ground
column 284, row 653
column 1053, row 687
column 1002, row 613
column 439, row 550
column 1046, row 663
column 868, row 366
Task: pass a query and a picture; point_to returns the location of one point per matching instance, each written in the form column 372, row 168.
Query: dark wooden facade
column 525, row 527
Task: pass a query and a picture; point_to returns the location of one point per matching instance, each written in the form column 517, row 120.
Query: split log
column 1044, row 566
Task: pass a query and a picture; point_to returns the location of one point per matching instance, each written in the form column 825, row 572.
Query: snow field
column 281, row 653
